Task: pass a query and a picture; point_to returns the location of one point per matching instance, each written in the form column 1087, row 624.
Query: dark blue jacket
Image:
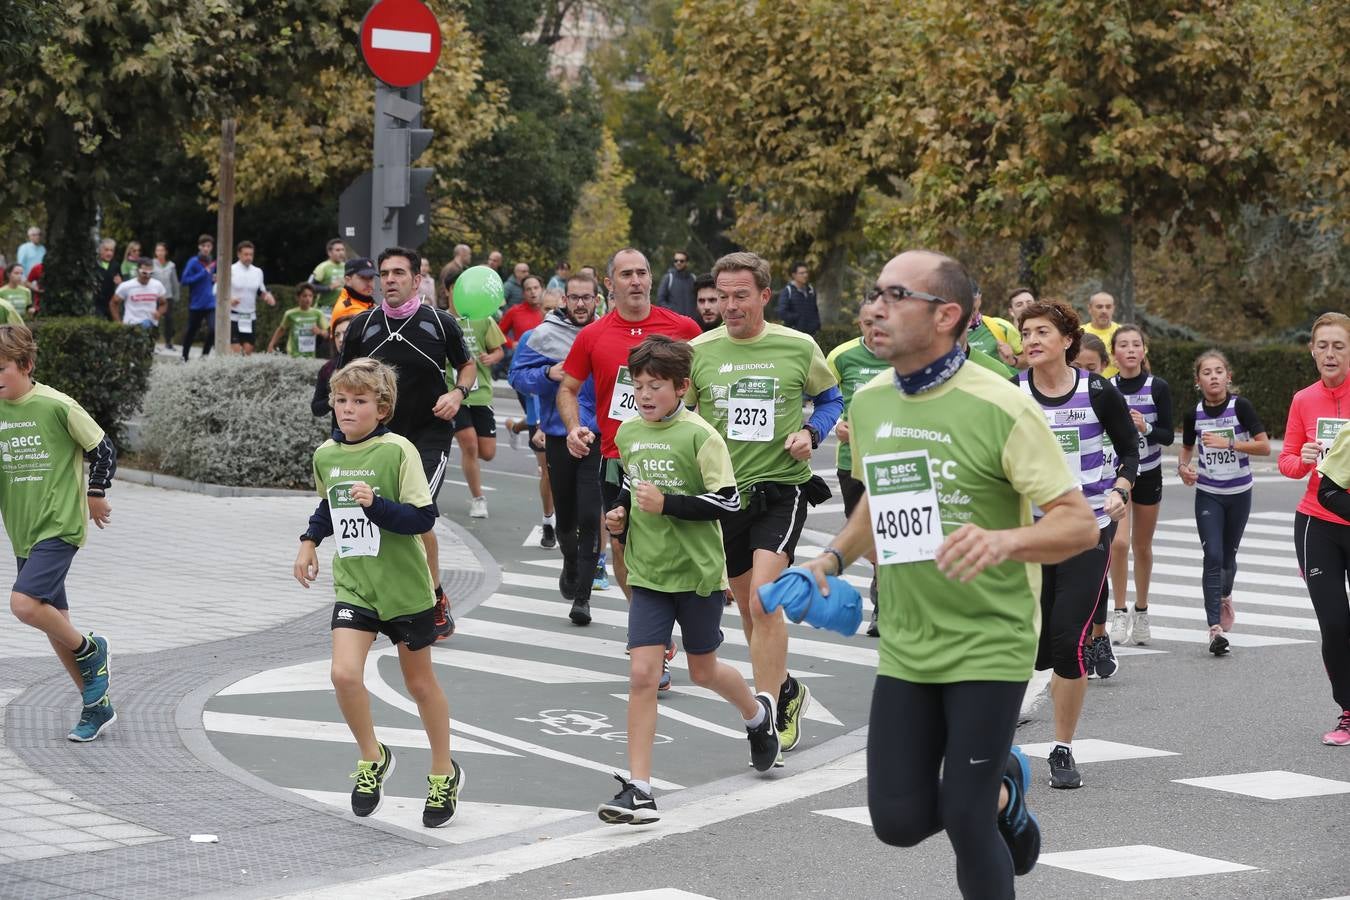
column 797, row 308
column 200, row 285
column 529, row 375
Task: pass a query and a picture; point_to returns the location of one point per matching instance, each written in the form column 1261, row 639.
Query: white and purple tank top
column 1220, row 470
column 1081, row 438
column 1150, row 455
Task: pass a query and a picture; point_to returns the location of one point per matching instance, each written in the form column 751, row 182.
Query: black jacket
column 797, row 308
column 677, row 293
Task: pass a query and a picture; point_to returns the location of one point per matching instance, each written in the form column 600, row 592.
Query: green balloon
column 478, row 292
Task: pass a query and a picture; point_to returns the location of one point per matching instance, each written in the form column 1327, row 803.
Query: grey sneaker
column 1120, row 626
column 1141, row 633
column 1063, row 772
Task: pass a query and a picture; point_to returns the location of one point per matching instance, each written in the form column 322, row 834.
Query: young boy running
column 677, row 473
column 302, row 325
column 44, row 504
column 376, row 500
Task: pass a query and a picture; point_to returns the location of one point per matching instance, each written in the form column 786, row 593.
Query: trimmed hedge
column 240, row 421
column 104, row 365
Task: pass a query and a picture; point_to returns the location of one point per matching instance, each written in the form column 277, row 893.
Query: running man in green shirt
column 750, row 378
column 476, row 422
column 329, row 275
column 45, row 437
column 302, row 324
column 677, row 486
column 377, row 503
column 952, row 459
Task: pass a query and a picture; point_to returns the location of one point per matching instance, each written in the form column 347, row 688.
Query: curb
column 174, row 483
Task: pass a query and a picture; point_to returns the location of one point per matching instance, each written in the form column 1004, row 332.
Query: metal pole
column 224, row 235
column 383, row 215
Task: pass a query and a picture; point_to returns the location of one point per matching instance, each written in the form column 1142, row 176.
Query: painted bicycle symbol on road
column 582, row 723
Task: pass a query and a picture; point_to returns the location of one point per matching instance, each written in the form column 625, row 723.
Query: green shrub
column 1266, row 374
column 831, row 336
column 104, row 365
column 239, row 421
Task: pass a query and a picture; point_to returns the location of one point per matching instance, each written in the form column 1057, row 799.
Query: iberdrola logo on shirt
column 339, row 472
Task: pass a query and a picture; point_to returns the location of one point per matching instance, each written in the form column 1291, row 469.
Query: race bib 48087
column 906, row 518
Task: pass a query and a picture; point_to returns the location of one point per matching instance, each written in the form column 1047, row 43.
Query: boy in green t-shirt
column 677, row 473
column 45, row 437
column 376, row 500
column 303, row 324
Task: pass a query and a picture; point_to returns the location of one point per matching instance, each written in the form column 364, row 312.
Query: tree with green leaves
column 601, row 220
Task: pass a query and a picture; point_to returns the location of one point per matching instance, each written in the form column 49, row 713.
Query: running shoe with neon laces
column 94, row 667
column 1340, row 735
column 630, row 806
column 1226, row 614
column 1120, row 626
column 1103, row 657
column 1063, row 771
column 444, row 622
column 549, row 539
column 601, row 580
column 1141, row 633
column 1218, row 644
column 790, row 711
column 764, row 739
column 478, row 508
column 370, row 777
column 1017, row 823
column 442, row 797
column 94, row 720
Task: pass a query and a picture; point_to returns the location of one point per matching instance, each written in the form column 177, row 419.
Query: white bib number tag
column 1220, row 461
column 245, row 325
column 623, row 402
column 906, row 518
column 750, row 409
column 1327, row 430
column 305, row 343
column 356, row 535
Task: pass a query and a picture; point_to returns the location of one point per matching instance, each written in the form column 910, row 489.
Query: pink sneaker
column 1226, row 613
column 1340, row 735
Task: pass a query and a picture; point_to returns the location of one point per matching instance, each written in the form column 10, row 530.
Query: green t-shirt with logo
column 684, row 455
column 329, row 277
column 43, row 437
column 394, row 581
column 480, row 336
column 990, row 456
column 299, row 324
column 9, row 314
column 751, row 391
column 853, row 365
column 21, row 298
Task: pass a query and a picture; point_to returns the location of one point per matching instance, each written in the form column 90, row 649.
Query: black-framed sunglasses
column 897, row 292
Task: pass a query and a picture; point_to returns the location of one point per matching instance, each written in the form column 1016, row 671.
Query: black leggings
column 195, row 319
column 576, row 501
column 913, row 728
column 1220, row 519
column 1324, row 551
column 1071, row 591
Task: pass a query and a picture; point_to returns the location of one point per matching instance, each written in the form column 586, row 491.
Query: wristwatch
column 1124, row 494
column 815, row 436
column 309, row 537
column 463, row 390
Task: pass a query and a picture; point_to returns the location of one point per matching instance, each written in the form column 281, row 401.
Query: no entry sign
column 400, row 41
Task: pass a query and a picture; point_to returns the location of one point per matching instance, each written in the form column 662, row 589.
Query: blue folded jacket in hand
column 796, row 591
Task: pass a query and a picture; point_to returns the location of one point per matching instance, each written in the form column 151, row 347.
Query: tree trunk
column 224, row 234
column 68, row 279
column 1118, row 274
column 1029, row 253
column 837, row 228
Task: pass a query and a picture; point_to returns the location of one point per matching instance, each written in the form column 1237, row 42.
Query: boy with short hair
column 677, row 473
column 376, row 499
column 302, row 324
column 44, row 503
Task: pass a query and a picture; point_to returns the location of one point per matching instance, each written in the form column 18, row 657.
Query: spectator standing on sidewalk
column 677, row 291
column 109, row 277
column 165, row 272
column 199, row 275
column 797, row 302
column 31, row 253
column 514, row 287
column 358, row 292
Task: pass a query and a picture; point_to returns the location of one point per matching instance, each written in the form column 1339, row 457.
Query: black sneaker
column 1016, row 823
column 1063, row 773
column 630, row 806
column 442, row 797
column 567, row 584
column 445, row 623
column 549, row 539
column 872, row 629
column 581, row 612
column 764, row 739
column 369, row 791
column 1104, row 657
column 1089, row 659
column 1218, row 644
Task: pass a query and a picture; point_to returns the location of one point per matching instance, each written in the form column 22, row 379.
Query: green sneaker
column 370, row 776
column 442, row 797
column 790, row 716
column 93, row 721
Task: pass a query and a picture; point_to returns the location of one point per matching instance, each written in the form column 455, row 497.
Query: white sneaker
column 478, row 508
column 1120, row 626
column 1141, row 633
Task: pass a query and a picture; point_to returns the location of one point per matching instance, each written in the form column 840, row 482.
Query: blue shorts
column 652, row 616
column 42, row 575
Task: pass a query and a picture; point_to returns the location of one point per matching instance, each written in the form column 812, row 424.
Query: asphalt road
column 538, row 709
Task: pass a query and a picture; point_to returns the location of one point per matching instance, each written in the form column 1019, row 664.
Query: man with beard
column 707, row 305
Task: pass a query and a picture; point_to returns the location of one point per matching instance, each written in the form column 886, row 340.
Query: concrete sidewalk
column 193, row 593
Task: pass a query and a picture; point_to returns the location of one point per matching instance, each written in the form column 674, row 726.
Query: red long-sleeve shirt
column 519, row 319
column 1316, row 413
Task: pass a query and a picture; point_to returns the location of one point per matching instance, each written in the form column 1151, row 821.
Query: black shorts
column 42, row 575
column 771, row 519
column 652, row 616
column 611, row 485
column 480, row 418
column 1147, row 490
column 852, row 489
column 434, row 459
column 417, row 630
column 243, row 337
